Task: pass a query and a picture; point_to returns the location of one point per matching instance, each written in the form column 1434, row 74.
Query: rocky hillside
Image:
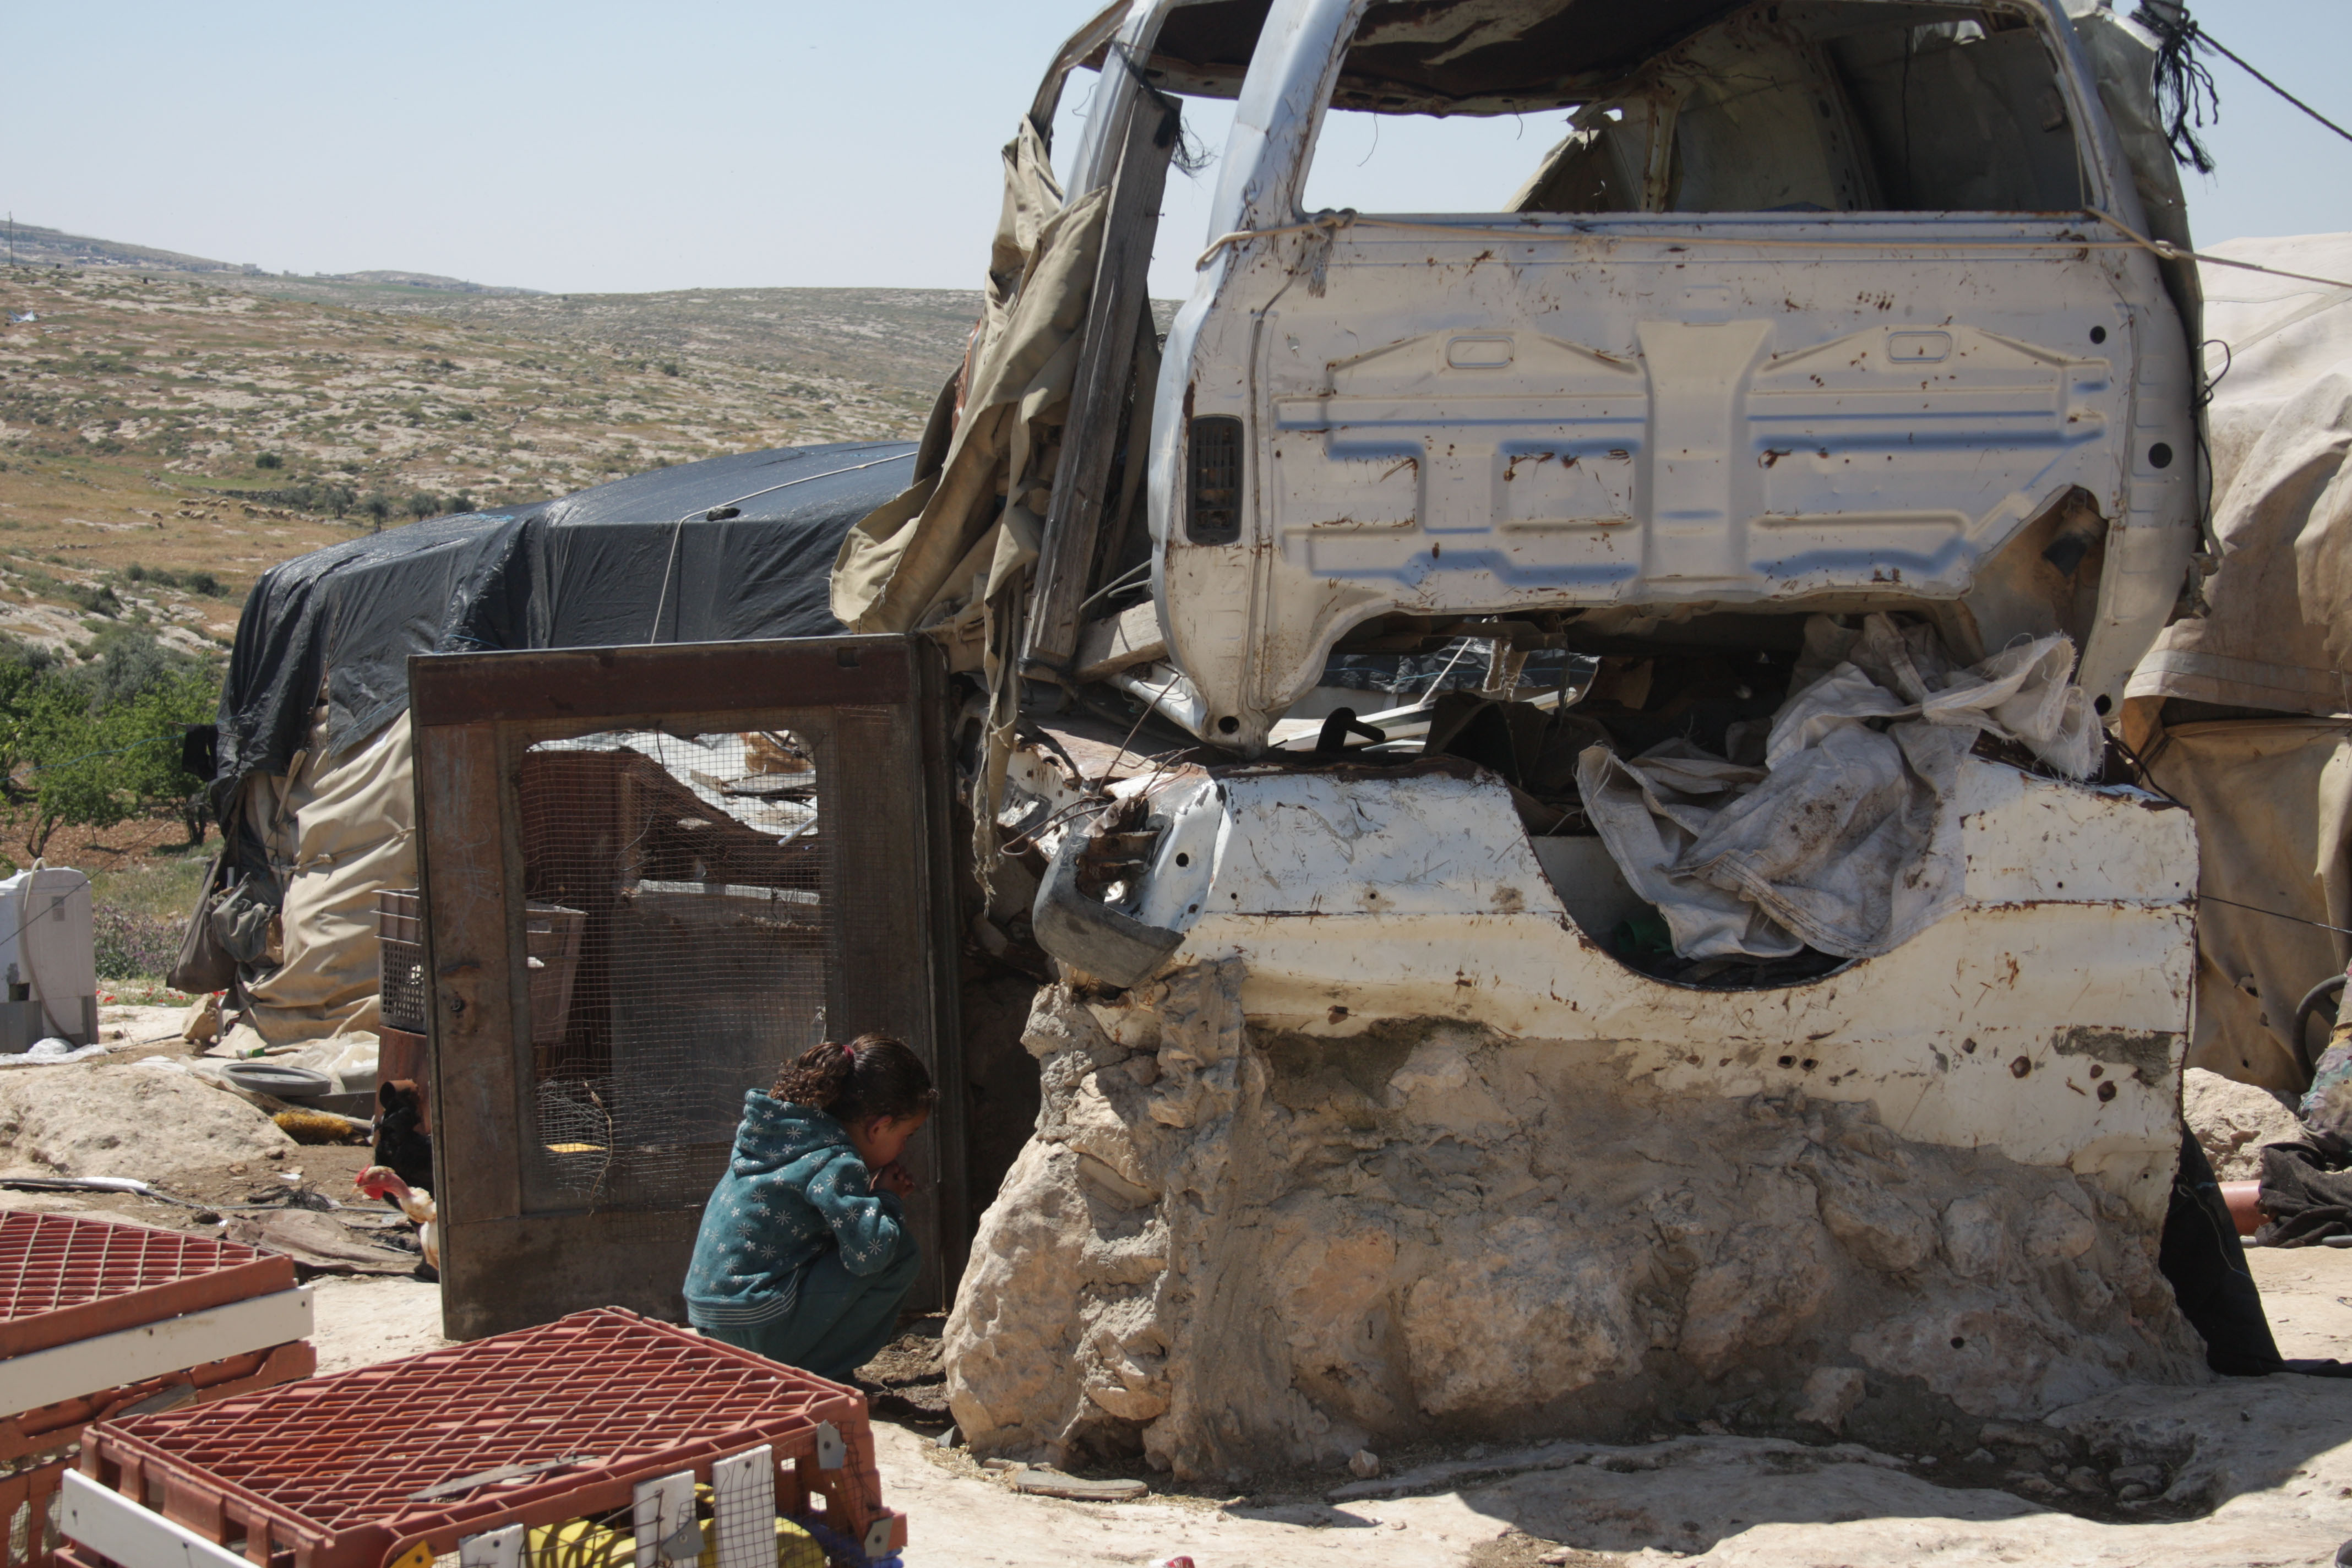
column 200, row 426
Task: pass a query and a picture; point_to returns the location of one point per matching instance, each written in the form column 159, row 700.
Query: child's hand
column 893, row 1178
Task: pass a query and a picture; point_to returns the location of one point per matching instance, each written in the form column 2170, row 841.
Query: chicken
column 379, row 1181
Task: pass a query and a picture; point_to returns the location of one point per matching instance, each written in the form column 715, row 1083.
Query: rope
column 2184, row 88
column 116, row 752
column 2274, row 914
column 678, row 529
column 1327, row 224
column 2202, row 37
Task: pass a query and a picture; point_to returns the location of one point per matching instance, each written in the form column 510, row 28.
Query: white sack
column 1848, row 838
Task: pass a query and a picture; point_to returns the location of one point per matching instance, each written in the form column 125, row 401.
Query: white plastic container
column 48, row 959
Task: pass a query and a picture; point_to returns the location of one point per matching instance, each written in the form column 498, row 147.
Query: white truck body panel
column 2067, row 968
column 1670, row 410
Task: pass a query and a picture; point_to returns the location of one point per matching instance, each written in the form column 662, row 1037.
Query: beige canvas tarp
column 2270, row 787
column 335, row 833
column 2280, row 624
column 2272, row 799
column 942, row 545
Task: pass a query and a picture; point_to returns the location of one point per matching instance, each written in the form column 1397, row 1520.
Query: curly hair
column 874, row 1074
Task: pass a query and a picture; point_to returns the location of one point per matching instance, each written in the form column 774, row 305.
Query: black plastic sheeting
column 588, row 570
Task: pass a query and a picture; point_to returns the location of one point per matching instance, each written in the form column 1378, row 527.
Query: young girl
column 799, row 1258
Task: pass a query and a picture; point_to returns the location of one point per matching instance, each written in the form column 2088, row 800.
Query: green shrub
column 99, row 742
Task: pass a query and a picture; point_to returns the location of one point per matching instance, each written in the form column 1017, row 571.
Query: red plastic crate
column 65, row 1278
column 327, row 1473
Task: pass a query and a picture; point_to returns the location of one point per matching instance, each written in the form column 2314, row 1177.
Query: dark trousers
column 841, row 1321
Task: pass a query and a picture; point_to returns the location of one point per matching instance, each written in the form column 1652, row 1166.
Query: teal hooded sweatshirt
column 793, row 1189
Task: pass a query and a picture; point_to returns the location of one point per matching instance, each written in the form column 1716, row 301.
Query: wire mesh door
column 651, row 876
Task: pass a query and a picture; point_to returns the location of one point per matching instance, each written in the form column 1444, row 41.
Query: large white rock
column 2233, row 1121
column 1230, row 1252
column 154, row 1122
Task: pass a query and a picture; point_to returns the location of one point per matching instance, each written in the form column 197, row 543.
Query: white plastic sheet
column 1846, row 839
column 53, row 1052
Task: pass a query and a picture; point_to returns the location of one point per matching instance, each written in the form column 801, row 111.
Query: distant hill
column 29, row 245
column 901, row 340
column 172, row 418
column 907, row 340
column 161, row 429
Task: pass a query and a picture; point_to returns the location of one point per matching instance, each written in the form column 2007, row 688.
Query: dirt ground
column 2281, row 1449
column 2271, row 1457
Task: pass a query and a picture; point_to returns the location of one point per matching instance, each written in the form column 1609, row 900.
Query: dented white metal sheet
column 1652, row 412
column 2046, row 1018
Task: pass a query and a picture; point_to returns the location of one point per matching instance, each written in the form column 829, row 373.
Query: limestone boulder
column 2233, row 1121
column 152, row 1121
column 1228, row 1248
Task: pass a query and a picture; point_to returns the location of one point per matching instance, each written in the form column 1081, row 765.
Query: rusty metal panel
column 650, row 874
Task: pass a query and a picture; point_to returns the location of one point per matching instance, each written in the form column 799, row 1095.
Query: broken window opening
column 1819, row 106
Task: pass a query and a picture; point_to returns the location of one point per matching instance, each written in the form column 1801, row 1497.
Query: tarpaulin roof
column 639, row 560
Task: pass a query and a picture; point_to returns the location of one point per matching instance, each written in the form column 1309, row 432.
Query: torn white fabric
column 1848, row 838
column 1650, row 813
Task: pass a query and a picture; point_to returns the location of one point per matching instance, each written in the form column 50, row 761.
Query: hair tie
column 850, row 1053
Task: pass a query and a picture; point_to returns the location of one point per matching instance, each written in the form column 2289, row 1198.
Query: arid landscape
column 172, row 426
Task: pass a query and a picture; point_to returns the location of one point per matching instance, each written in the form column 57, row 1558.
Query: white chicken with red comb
column 380, row 1182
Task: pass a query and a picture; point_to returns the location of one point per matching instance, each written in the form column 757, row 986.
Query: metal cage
column 650, row 876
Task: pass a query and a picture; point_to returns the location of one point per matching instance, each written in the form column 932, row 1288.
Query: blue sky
column 595, row 147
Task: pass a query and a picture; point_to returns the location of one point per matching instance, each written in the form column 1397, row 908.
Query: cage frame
column 508, row 1259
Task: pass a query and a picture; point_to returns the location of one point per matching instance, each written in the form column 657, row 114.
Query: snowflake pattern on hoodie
column 794, row 1188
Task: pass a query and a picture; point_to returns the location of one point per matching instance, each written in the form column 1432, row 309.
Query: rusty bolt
column 2107, row 1093
column 2020, row 1067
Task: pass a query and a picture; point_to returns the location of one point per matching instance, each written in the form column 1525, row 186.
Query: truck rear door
column 1802, row 308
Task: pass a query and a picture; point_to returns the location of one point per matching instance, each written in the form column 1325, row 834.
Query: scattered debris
column 306, row 1126
column 317, row 1241
column 1039, row 1481
column 53, row 1052
column 202, row 1025
column 77, row 1185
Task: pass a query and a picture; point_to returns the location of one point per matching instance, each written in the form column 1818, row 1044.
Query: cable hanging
column 2186, row 97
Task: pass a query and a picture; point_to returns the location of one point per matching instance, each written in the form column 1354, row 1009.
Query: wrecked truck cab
column 1817, row 307
column 1742, row 996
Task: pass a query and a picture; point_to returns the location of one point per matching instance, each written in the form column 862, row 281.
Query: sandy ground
column 2273, row 1456
column 2281, row 1450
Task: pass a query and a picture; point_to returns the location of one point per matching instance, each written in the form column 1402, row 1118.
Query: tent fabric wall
column 335, row 831
column 2281, row 419
column 2243, row 713
column 2272, row 800
column 959, row 535
column 314, row 788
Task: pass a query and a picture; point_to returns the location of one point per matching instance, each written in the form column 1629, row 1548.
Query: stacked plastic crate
column 99, row 1319
column 601, row 1440
column 400, row 998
